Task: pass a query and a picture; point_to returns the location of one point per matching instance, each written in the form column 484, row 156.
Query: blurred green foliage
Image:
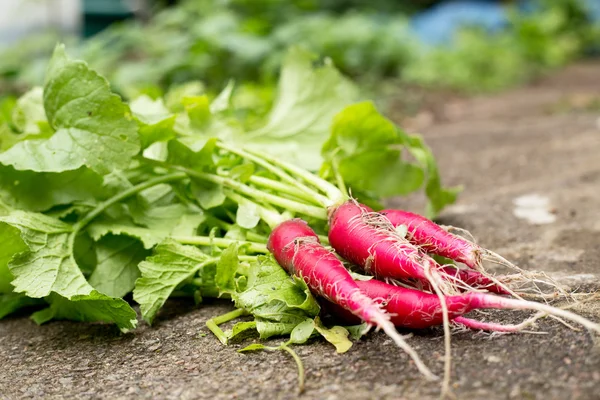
column 215, row 41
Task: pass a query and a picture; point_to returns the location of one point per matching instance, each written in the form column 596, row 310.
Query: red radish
column 342, row 315
column 411, row 308
column 368, row 240
column 415, row 309
column 434, row 239
column 297, row 249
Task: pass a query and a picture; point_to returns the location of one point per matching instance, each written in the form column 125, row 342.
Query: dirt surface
column 542, row 140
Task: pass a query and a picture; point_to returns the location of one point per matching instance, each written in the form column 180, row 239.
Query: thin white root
column 500, row 328
column 545, row 308
column 446, row 392
column 391, row 331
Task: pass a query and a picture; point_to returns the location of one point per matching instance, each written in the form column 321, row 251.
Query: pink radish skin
column 434, row 239
column 296, row 248
column 372, row 249
column 411, row 308
column 486, row 326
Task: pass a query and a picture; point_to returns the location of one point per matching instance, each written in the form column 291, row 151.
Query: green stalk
column 299, row 364
column 334, row 195
column 213, row 323
column 255, row 237
column 82, row 223
column 123, row 195
column 271, row 217
column 315, row 212
column 284, row 188
column 295, row 206
column 338, row 177
column 220, row 242
column 320, row 199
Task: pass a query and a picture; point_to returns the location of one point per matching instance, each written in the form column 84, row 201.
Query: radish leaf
column 48, row 239
column 337, row 336
column 92, row 307
column 117, row 269
column 12, row 244
column 279, row 303
column 22, row 188
column 11, row 302
column 300, row 119
column 169, row 266
column 303, row 331
column 93, row 126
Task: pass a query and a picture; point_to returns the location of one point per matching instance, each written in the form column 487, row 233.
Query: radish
column 432, row 238
column 366, row 238
column 412, row 308
column 297, row 249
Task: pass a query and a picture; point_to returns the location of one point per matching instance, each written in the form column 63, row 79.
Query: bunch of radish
column 409, row 288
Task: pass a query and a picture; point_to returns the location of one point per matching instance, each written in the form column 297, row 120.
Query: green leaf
column 176, row 94
column 48, row 239
column 84, row 253
column 381, row 172
column 366, row 148
column 197, row 156
column 198, row 110
column 303, row 331
column 156, row 121
column 29, row 116
column 103, row 227
column 12, row 244
column 157, row 208
column 93, row 126
column 161, row 131
column 247, row 215
column 23, row 189
column 169, row 266
column 189, row 223
column 48, row 268
column 360, row 127
column 92, row 307
column 117, row 269
column 437, row 195
column 241, row 329
column 221, row 102
column 11, row 302
column 148, row 110
column 357, row 331
column 226, row 269
column 308, row 98
column 337, row 336
column 209, row 195
column 8, row 137
column 277, row 301
column 253, row 347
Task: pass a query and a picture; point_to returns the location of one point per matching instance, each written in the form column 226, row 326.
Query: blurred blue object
column 438, row 25
column 593, row 9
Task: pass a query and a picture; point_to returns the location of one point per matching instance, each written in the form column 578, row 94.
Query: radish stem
column 213, row 323
column 334, row 195
column 321, row 200
column 220, row 242
column 282, row 188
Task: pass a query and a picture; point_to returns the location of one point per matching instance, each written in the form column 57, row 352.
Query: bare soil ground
column 541, row 140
